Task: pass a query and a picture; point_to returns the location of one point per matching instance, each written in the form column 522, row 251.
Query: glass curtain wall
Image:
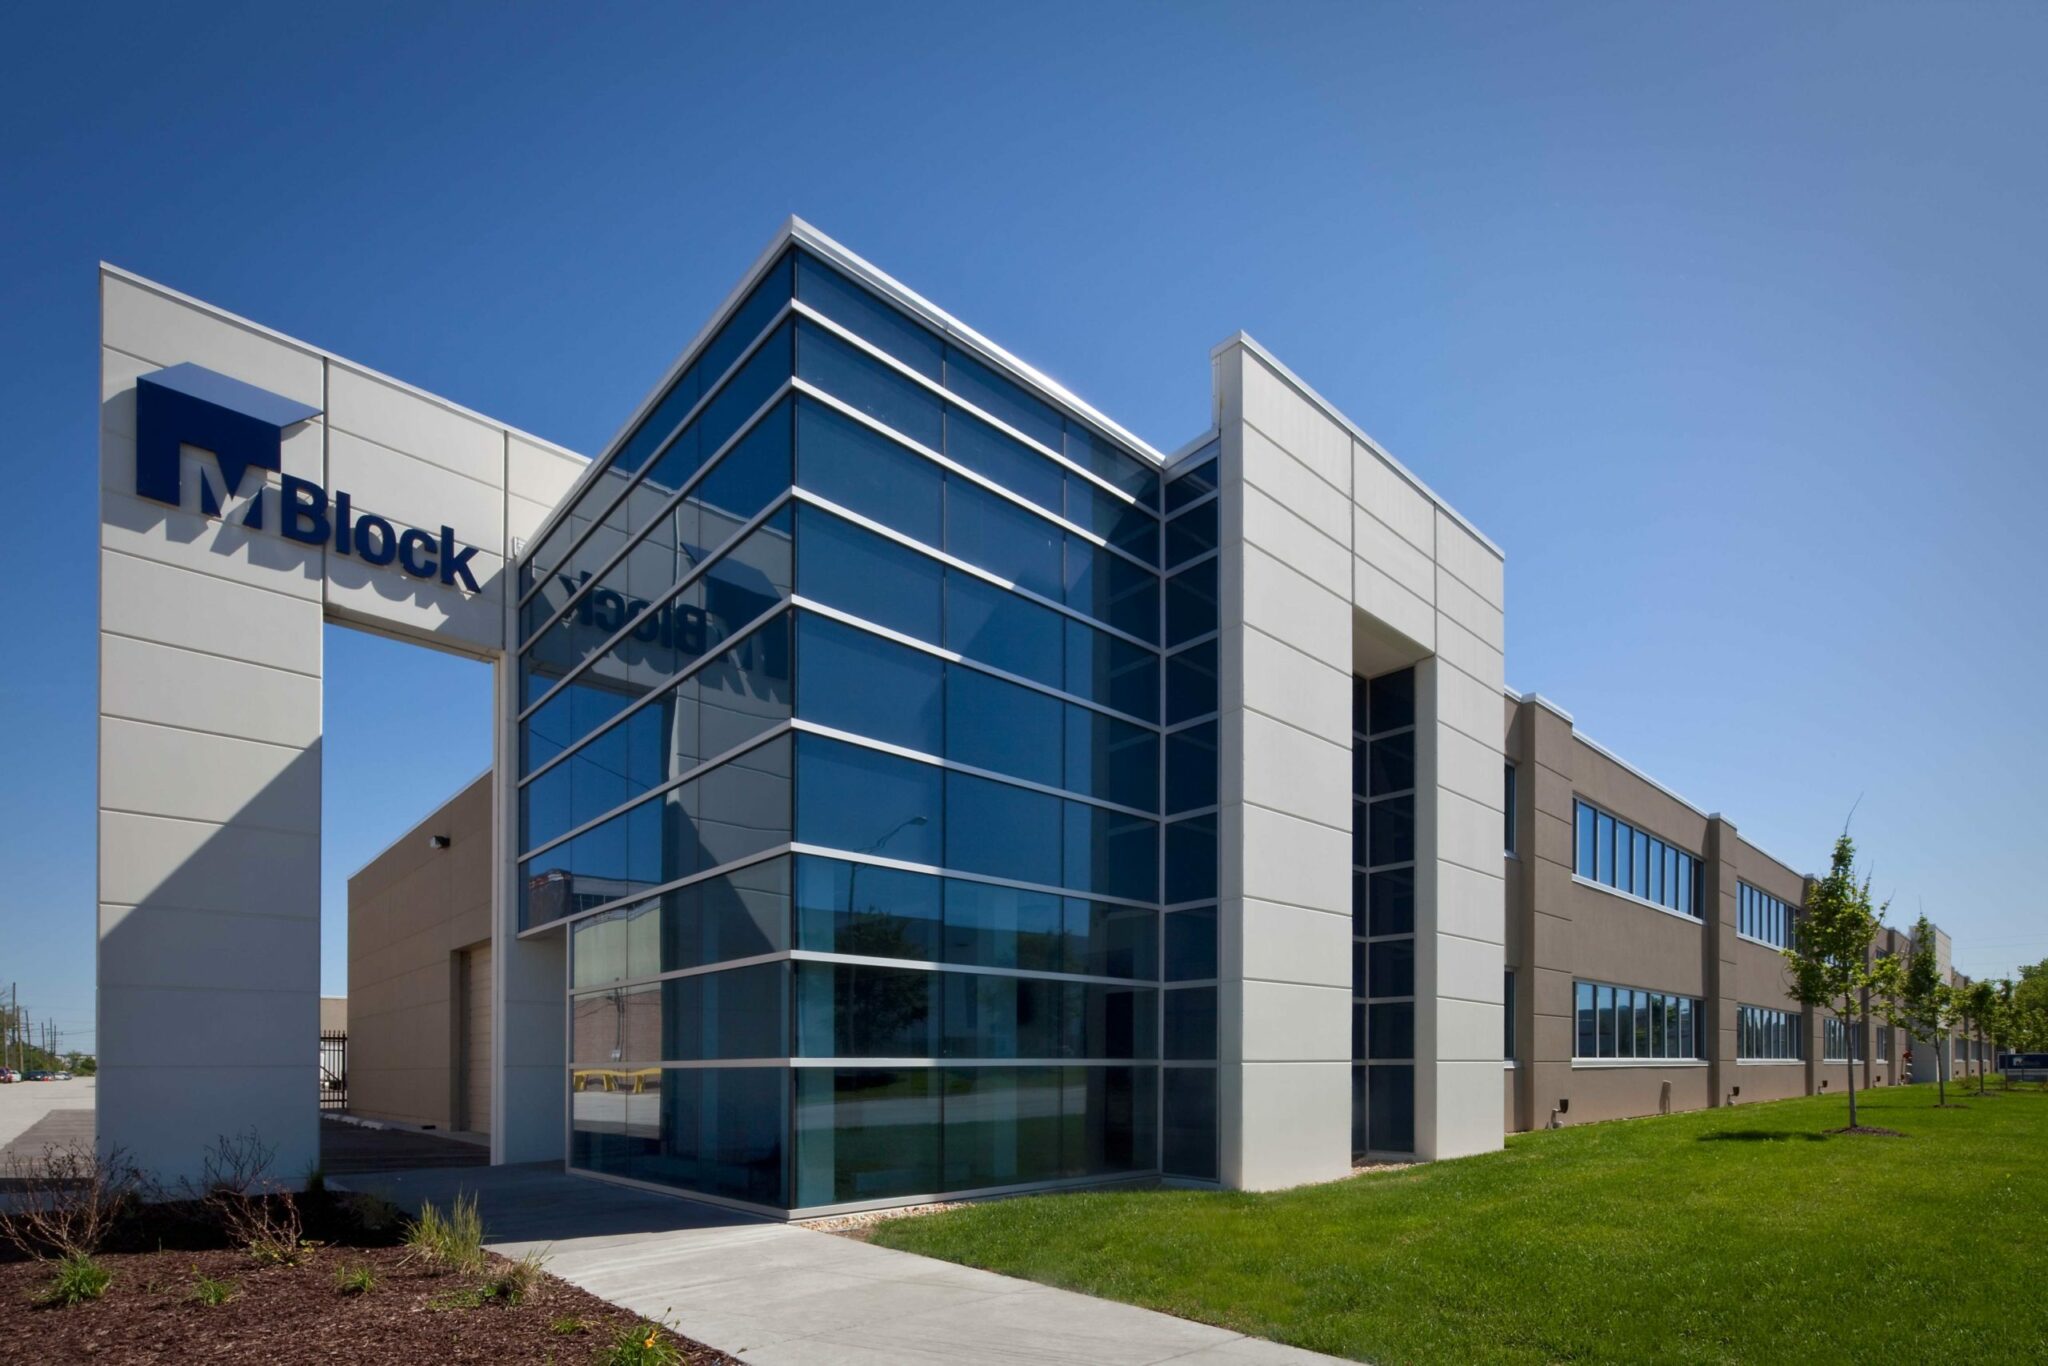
column 1188, row 1028
column 1383, row 913
column 842, row 748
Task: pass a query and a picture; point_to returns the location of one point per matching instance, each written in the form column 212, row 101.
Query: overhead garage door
column 476, row 1039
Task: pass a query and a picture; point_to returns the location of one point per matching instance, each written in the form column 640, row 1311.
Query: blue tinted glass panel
column 1391, row 1106
column 851, row 680
column 1190, row 485
column 1111, row 671
column 1393, row 701
column 1002, row 831
column 1191, row 860
column 866, row 1134
column 862, row 382
column 1391, row 763
column 1391, row 1030
column 853, row 1010
column 1191, row 603
column 746, row 322
column 1127, row 525
column 1000, row 399
column 1011, row 463
column 869, row 911
column 1104, row 459
column 1004, row 927
column 1111, row 853
column 736, row 1014
column 1390, row 894
column 739, row 808
column 866, row 316
column 1191, row 683
column 1111, row 759
column 740, row 915
column 1391, row 968
column 730, row 700
column 875, row 579
column 1191, row 768
column 867, row 802
column 1188, row 1122
column 717, row 1131
column 1103, row 940
column 1003, row 1126
column 997, row 535
column 1191, row 945
column 998, row 628
column 1003, row 727
column 1110, row 588
column 1190, row 1024
column 865, row 472
column 1192, row 533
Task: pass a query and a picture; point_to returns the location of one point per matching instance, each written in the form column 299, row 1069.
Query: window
column 1766, row 1035
column 1630, row 1023
column 1616, row 854
column 1507, row 807
column 1841, row 1042
column 1761, row 916
column 1383, row 916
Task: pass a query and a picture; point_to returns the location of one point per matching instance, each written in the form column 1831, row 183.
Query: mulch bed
column 412, row 1314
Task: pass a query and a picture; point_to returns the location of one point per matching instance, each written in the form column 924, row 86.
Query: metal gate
column 333, row 1069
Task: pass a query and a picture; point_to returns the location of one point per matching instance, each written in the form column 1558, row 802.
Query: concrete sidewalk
column 778, row 1295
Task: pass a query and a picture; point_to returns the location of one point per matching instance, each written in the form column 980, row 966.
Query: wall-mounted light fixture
column 437, row 841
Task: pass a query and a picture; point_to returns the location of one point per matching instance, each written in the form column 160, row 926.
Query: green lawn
column 1725, row 1235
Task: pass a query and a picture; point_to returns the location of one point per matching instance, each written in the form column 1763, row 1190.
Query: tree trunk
column 1940, row 1071
column 1850, row 1068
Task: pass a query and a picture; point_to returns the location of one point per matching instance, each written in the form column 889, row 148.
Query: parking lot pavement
column 26, row 1105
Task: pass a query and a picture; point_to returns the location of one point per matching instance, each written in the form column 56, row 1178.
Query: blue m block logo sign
column 244, row 427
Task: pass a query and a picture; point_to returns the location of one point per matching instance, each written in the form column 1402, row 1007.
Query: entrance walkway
column 779, row 1295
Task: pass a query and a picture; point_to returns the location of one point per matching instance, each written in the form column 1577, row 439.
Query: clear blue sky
column 1726, row 321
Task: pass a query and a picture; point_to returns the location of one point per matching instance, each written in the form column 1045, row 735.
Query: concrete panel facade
column 1324, row 539
column 210, row 664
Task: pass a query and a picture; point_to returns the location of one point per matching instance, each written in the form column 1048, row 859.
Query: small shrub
column 316, row 1182
column 452, row 1242
column 355, row 1280
column 68, row 1199
column 517, row 1280
column 643, row 1344
column 568, row 1326
column 211, row 1290
column 256, row 1212
column 79, row 1278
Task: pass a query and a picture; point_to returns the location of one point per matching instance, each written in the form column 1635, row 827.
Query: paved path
column 778, row 1295
column 36, row 1113
column 347, row 1148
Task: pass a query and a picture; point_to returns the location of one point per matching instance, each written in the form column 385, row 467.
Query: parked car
column 38, row 1075
column 63, row 1076
column 7, row 1075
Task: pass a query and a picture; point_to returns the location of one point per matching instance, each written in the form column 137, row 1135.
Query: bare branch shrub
column 257, row 1212
column 68, row 1198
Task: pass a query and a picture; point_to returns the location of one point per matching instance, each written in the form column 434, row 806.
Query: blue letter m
column 193, row 406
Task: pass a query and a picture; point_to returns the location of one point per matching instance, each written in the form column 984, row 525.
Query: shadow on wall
column 209, row 955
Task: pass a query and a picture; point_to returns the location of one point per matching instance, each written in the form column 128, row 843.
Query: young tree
column 1981, row 1005
column 1922, row 1004
column 2003, row 1026
column 1830, row 961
